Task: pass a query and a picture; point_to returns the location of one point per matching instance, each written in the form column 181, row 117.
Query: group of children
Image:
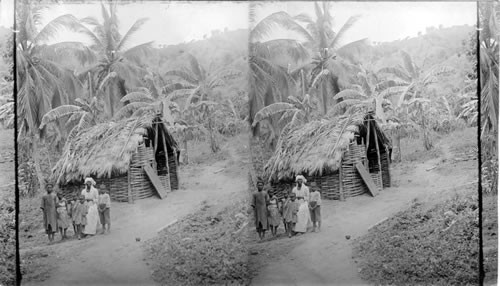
column 289, row 208
column 60, row 214
column 296, row 210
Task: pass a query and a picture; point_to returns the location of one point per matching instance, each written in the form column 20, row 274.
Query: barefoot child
column 80, row 216
column 283, row 208
column 315, row 208
column 104, row 209
column 74, row 204
column 274, row 215
column 63, row 219
column 290, row 214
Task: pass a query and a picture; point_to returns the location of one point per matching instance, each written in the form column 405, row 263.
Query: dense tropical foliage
column 416, row 88
column 66, row 87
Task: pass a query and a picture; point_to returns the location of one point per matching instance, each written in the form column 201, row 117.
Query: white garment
column 92, row 215
column 303, row 192
column 303, row 217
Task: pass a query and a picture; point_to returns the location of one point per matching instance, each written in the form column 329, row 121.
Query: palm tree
column 414, row 82
column 488, row 71
column 42, row 81
column 371, row 94
column 327, row 71
column 293, row 113
column 84, row 114
column 268, row 81
column 114, row 66
column 198, row 85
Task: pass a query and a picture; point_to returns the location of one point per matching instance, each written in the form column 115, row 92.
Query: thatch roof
column 318, row 146
column 105, row 150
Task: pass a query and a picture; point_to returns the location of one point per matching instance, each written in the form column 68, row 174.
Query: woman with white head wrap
column 302, row 193
column 91, row 197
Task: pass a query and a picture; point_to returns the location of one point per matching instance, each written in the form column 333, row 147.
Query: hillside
column 222, row 50
column 437, row 47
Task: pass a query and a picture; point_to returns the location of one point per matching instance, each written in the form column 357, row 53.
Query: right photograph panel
column 364, row 143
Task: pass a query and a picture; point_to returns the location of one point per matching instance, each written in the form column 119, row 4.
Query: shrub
column 436, row 245
column 202, row 249
column 7, row 240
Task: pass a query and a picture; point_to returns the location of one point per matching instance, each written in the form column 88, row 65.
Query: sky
column 168, row 22
column 177, row 22
column 382, row 21
column 6, row 13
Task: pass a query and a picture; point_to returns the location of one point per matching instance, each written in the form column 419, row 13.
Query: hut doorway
column 377, row 154
column 165, row 157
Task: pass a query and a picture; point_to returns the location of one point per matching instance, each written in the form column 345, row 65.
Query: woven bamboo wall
column 117, row 188
column 353, row 184
column 140, row 185
column 328, row 183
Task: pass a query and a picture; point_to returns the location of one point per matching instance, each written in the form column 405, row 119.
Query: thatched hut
column 327, row 152
column 115, row 155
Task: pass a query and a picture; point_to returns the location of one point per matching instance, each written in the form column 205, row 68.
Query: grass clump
column 206, row 247
column 435, row 245
column 7, row 240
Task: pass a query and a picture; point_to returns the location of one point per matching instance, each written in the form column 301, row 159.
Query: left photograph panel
column 7, row 154
column 133, row 143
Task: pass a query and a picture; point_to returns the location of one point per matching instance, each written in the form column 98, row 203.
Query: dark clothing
column 259, row 203
column 48, row 206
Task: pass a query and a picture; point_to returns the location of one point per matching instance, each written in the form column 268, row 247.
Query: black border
column 16, row 162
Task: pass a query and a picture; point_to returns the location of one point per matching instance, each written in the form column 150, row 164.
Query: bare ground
column 117, row 258
column 326, row 257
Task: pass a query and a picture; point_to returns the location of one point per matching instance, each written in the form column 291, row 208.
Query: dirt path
column 326, row 257
column 117, row 258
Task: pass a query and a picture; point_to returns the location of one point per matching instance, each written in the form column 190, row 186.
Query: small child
column 74, row 204
column 104, row 209
column 315, row 208
column 80, row 216
column 63, row 219
column 274, row 217
column 283, row 207
column 290, row 214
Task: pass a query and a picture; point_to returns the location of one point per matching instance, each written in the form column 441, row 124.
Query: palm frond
column 335, row 43
column 348, row 94
column 137, row 96
column 390, row 83
column 185, row 75
column 130, row 108
column 396, row 71
column 279, row 19
column 126, row 38
column 58, row 113
column 271, row 110
column 409, row 65
column 176, row 86
column 280, row 47
column 50, row 30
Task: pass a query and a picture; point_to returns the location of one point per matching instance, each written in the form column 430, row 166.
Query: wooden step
column 155, row 180
column 372, row 188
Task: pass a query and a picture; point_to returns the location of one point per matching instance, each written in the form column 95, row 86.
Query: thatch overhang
column 105, row 150
column 318, row 146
